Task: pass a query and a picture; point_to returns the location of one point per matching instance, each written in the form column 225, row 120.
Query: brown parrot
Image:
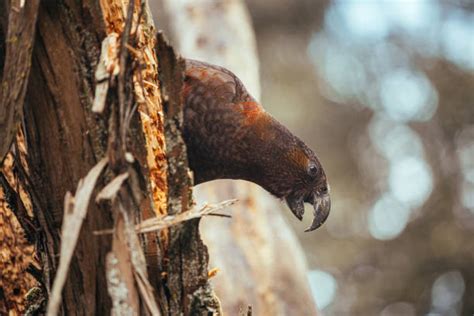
column 230, row 136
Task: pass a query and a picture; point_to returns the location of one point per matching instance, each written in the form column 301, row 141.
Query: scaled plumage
column 230, row 136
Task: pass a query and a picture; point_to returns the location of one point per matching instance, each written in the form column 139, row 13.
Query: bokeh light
column 465, row 152
column 323, row 286
column 410, row 181
column 399, row 309
column 458, row 38
column 363, row 19
column 388, row 218
column 447, row 293
column 408, row 96
column 393, row 140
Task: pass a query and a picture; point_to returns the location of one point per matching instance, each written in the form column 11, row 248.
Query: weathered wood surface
column 18, row 28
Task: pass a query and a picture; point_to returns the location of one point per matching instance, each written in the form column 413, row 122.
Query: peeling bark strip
column 117, row 288
column 107, row 67
column 75, row 209
column 19, row 44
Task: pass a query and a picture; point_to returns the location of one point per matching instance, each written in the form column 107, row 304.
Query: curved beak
column 296, row 205
column 322, row 206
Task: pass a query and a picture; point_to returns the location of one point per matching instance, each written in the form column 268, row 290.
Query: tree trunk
column 94, row 103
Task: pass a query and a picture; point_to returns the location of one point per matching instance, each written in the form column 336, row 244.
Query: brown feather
column 230, row 135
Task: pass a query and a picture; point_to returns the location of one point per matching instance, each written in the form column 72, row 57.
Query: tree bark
column 19, row 34
column 94, row 95
column 65, row 139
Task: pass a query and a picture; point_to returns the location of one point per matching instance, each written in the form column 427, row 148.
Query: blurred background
column 384, row 93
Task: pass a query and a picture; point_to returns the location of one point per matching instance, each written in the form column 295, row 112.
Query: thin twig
column 130, row 113
column 131, row 110
column 159, row 223
column 220, row 215
column 133, row 50
column 123, row 69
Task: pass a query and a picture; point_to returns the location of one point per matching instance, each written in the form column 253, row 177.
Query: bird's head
column 310, row 186
column 303, row 180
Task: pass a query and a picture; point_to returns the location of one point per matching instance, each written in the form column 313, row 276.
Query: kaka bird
column 230, row 136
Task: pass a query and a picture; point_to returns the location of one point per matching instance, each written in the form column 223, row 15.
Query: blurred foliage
column 384, row 92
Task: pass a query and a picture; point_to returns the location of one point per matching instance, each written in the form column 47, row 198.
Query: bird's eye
column 323, row 190
column 313, row 170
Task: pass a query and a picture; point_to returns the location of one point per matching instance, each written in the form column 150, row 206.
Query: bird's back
column 216, row 110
